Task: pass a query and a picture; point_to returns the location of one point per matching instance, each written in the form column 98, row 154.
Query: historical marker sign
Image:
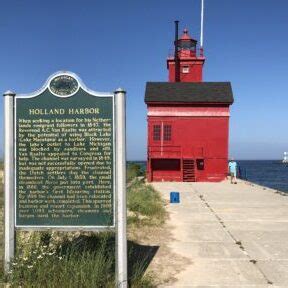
column 65, row 163
column 64, row 156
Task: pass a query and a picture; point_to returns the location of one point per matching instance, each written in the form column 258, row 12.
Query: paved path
column 233, row 235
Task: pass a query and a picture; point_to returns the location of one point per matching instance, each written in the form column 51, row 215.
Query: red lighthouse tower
column 188, row 120
column 190, row 64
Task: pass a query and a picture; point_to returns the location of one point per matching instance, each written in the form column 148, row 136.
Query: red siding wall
column 197, row 133
column 195, row 70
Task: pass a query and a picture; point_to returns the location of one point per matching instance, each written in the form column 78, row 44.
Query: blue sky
column 125, row 43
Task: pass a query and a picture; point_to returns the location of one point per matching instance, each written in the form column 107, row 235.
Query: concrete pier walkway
column 230, row 235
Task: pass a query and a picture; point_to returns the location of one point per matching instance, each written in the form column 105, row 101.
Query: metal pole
column 9, row 178
column 202, row 24
column 176, row 56
column 121, row 237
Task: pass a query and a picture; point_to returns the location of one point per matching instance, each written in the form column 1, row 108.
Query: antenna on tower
column 202, row 24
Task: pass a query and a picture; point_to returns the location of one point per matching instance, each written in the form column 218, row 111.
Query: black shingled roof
column 189, row 92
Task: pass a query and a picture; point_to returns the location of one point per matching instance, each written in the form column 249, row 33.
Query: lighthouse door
column 189, row 170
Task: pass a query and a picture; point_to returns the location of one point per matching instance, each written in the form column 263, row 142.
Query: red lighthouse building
column 188, row 120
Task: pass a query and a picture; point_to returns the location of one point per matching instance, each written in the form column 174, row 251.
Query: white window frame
column 185, row 69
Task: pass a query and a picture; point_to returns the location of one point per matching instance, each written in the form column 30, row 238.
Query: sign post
column 9, row 230
column 121, row 265
column 65, row 162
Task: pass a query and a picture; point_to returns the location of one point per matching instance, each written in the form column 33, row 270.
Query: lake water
column 269, row 173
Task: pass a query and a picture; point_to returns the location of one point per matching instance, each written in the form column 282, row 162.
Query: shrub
column 146, row 203
column 134, row 170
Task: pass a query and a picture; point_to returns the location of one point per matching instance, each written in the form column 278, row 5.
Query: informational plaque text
column 64, row 157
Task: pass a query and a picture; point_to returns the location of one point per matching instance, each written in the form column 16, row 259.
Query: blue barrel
column 174, row 197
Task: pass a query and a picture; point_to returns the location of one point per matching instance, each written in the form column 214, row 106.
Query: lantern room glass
column 187, row 45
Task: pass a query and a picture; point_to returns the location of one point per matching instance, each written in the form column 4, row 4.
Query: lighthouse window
column 185, row 69
column 156, row 132
column 167, row 132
